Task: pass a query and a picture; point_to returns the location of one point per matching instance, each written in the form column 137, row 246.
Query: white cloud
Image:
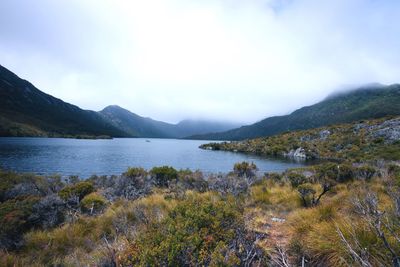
column 235, row 60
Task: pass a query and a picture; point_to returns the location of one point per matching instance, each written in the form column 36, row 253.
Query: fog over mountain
column 183, row 59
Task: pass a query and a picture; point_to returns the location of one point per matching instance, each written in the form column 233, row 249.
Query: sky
column 233, row 60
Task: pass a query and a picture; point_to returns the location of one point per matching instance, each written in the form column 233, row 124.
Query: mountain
column 138, row 126
column 191, row 127
column 27, row 111
column 368, row 102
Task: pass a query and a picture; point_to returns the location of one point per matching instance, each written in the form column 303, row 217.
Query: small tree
column 309, row 195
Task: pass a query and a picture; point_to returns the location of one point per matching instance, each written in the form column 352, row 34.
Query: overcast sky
column 218, row 59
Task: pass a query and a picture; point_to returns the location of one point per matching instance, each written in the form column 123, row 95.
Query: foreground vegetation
column 325, row 215
column 344, row 212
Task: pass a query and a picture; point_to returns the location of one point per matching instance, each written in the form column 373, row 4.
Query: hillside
column 364, row 103
column 361, row 141
column 27, row 111
column 138, row 126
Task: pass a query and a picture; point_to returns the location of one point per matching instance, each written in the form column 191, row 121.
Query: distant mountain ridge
column 367, row 102
column 27, row 111
column 139, row 126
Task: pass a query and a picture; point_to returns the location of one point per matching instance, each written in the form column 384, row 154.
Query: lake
column 105, row 157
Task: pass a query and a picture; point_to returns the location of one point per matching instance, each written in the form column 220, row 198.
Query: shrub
column 394, row 170
column 49, row 211
column 73, row 179
column 201, row 226
column 296, row 179
column 14, row 185
column 15, row 220
column 135, row 172
column 276, row 177
column 245, row 169
column 337, row 172
column 163, row 175
column 189, row 180
column 365, row 172
column 79, row 190
column 229, row 184
column 93, row 203
column 345, row 172
column 129, row 187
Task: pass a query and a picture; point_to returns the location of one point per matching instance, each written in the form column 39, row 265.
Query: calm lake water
column 106, row 157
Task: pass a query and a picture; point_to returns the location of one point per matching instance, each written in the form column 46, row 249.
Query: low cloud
column 176, row 59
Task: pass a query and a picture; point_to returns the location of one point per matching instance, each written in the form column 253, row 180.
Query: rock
column 324, row 134
column 389, row 131
column 299, row 153
column 276, row 219
column 306, row 138
column 359, row 126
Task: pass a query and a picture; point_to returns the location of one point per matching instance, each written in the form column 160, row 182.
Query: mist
column 220, row 60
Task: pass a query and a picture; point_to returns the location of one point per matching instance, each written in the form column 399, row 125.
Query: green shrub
column 296, row 179
column 135, row 172
column 79, row 190
column 195, row 229
column 337, row 172
column 93, row 203
column 14, row 220
column 33, row 184
column 245, row 169
column 163, row 175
